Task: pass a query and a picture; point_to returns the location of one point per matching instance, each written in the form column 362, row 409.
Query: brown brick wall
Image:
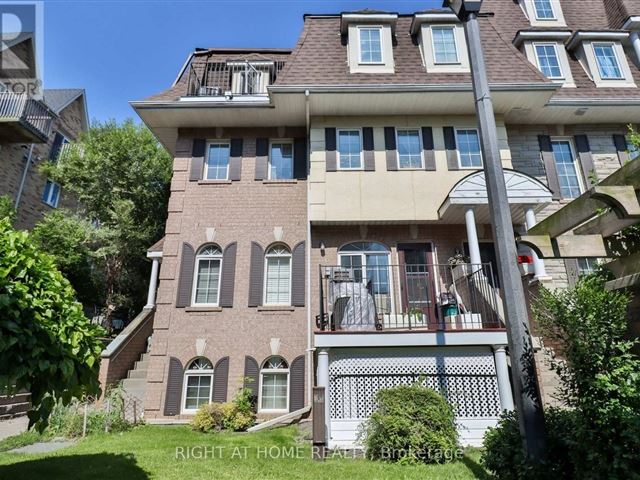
column 241, row 211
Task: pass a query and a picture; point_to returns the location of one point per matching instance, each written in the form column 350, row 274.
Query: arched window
column 274, row 385
column 198, row 382
column 277, row 276
column 206, row 282
column 368, row 262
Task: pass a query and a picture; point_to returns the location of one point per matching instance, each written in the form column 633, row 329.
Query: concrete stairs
column 135, row 384
column 14, row 406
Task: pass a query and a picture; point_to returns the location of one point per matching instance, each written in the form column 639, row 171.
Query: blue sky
column 128, row 49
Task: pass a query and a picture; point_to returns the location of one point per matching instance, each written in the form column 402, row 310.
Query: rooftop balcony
column 409, row 298
column 24, row 119
column 232, row 79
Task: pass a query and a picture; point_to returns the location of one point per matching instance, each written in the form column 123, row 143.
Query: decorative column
column 635, row 42
column 472, row 239
column 538, row 264
column 153, row 283
column 502, row 373
column 323, row 381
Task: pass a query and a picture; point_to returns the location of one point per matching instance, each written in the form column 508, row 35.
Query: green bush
column 6, row 208
column 412, row 424
column 503, row 454
column 236, row 416
column 208, row 418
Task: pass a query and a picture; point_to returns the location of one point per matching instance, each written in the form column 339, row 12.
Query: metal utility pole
column 525, row 382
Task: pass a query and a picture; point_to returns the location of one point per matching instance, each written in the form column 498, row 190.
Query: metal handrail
column 32, row 113
column 221, row 78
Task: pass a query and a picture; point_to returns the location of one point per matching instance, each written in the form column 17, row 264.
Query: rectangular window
column 587, row 266
column 60, row 143
column 281, row 161
column 469, row 148
column 274, row 391
column 634, row 152
column 567, row 168
column 544, row 10
column 409, row 149
column 548, row 62
column 208, row 281
column 198, row 391
column 218, row 161
column 607, row 61
column 278, row 280
column 349, row 149
column 445, row 49
column 370, row 44
column 51, row 194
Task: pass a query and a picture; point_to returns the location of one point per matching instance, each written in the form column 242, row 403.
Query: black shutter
column 573, row 272
column 390, row 147
column 296, row 384
column 298, row 275
column 228, row 275
column 256, row 272
column 368, row 151
column 173, row 395
column 251, row 377
column 330, row 149
column 54, row 154
column 451, row 148
column 185, row 280
column 220, row 380
column 546, row 151
column 197, row 159
column 300, row 158
column 262, row 158
column 235, row 159
column 586, row 160
column 620, row 141
column 427, row 149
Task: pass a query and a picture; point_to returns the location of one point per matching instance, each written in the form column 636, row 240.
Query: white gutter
column 540, row 35
column 408, row 88
column 594, row 102
column 579, row 37
column 632, row 23
column 23, row 180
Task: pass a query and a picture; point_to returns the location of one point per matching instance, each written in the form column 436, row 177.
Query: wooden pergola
column 587, row 226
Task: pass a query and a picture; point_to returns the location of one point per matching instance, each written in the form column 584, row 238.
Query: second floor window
column 370, row 43
column 277, row 276
column 469, row 148
column 544, row 10
column 444, row 45
column 607, row 61
column 51, row 194
column 409, row 149
column 60, row 142
column 548, row 62
column 567, row 168
column 349, row 149
column 217, row 167
column 281, row 161
column 207, row 280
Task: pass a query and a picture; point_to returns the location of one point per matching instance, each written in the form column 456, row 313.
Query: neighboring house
column 320, row 194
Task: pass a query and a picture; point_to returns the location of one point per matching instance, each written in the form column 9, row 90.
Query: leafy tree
column 47, row 346
column 121, row 175
column 6, row 208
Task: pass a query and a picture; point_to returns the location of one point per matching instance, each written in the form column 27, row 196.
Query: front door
column 417, row 289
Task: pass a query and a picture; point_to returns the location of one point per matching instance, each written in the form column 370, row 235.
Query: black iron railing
column 232, row 78
column 409, row 297
column 31, row 113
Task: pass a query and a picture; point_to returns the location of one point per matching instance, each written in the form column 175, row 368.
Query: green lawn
column 149, row 452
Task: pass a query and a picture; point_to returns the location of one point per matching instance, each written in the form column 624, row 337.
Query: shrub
column 236, row 416
column 6, row 208
column 503, row 454
column 411, row 424
column 208, row 418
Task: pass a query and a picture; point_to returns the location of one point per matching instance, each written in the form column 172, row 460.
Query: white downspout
column 310, row 348
column 24, row 178
column 635, row 42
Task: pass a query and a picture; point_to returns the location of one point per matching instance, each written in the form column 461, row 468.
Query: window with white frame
column 586, row 266
column 548, row 61
column 217, row 167
column 544, row 10
column 206, row 290
column 51, row 194
column 274, row 385
column 281, row 160
column 567, row 168
column 607, row 61
column 349, row 149
column 468, row 143
column 409, row 148
column 445, row 49
column 370, row 43
column 198, row 385
column 277, row 285
column 634, row 151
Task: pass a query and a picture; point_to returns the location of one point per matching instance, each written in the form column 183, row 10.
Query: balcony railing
column 408, row 297
column 232, row 78
column 22, row 112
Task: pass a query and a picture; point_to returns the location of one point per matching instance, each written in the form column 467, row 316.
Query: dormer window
column 370, row 42
column 607, row 61
column 445, row 49
column 543, row 13
column 548, row 62
column 545, row 50
column 442, row 42
column 544, row 10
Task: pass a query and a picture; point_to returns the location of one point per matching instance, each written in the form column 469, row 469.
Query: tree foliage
column 6, row 208
column 120, row 174
column 47, row 346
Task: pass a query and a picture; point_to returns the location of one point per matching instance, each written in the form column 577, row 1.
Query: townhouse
column 328, row 222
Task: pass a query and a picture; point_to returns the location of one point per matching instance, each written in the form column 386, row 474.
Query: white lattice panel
column 466, row 378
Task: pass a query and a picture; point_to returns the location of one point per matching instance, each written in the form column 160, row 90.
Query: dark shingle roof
column 58, row 98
